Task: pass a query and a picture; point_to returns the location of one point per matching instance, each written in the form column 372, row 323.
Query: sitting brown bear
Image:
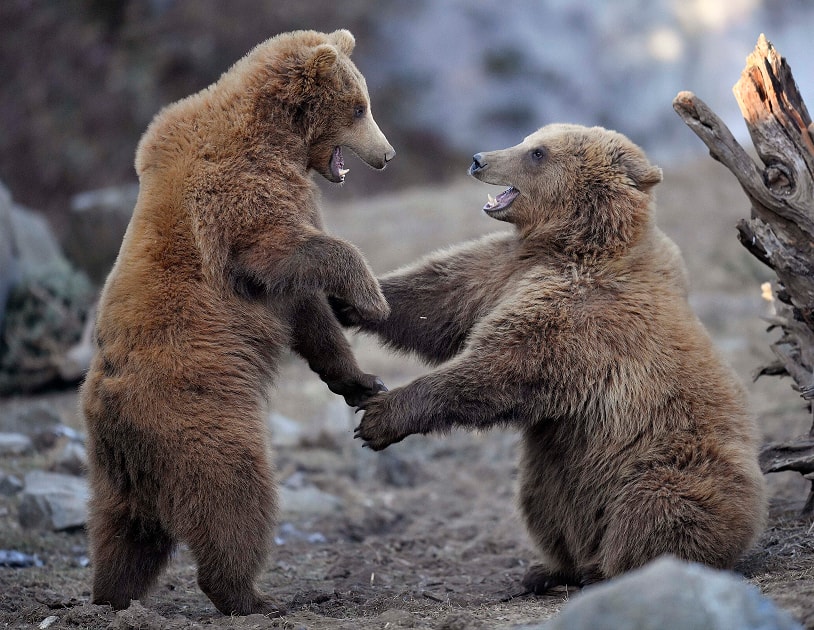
column 223, row 268
column 576, row 330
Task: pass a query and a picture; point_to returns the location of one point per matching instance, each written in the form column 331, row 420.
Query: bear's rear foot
column 241, row 602
column 267, row 608
column 540, row 579
column 256, row 606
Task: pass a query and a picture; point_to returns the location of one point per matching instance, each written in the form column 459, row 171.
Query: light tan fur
column 576, row 330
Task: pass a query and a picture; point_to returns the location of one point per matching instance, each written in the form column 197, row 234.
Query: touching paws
column 360, row 311
column 379, row 428
column 374, row 309
column 357, row 391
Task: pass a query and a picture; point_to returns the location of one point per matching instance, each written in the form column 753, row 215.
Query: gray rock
column 44, row 301
column 70, row 458
column 35, row 244
column 31, row 416
column 99, row 219
column 52, row 435
column 53, row 501
column 284, row 430
column 15, row 444
column 671, row 595
column 307, row 500
column 44, row 319
column 10, row 485
column 9, row 267
column 288, row 532
column 18, row 559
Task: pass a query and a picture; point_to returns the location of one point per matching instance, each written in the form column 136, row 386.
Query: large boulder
column 45, row 302
column 9, row 266
column 668, row 594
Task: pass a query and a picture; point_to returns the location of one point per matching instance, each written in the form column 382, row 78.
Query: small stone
column 15, row 444
column 71, row 458
column 47, row 622
column 10, row 485
column 18, row 559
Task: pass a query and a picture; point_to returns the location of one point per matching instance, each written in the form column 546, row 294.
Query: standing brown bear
column 576, row 330
column 223, row 268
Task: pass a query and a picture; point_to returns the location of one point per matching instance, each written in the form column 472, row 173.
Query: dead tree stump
column 780, row 231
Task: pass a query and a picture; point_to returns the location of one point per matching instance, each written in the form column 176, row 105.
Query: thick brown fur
column 223, row 268
column 576, row 330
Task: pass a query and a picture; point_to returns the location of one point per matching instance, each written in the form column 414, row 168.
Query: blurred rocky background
column 81, row 79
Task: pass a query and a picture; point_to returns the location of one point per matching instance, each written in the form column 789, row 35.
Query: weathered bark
column 780, row 230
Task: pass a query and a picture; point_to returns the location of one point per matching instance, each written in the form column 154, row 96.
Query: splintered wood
column 780, row 230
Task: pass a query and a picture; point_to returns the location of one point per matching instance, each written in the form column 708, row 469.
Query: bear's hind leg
column 228, row 524
column 229, row 560
column 233, row 593
column 683, row 513
column 128, row 554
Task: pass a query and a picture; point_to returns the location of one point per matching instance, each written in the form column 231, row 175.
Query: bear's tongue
column 502, row 201
column 337, row 165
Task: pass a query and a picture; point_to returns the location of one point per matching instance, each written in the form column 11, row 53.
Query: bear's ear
column 646, row 178
column 638, row 170
column 343, row 39
column 320, row 62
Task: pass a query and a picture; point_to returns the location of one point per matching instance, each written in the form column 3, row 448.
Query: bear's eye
column 359, row 111
column 538, row 154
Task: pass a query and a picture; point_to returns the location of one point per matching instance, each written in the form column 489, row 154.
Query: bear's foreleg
column 318, row 338
column 423, row 319
column 316, row 262
column 460, row 394
column 435, row 302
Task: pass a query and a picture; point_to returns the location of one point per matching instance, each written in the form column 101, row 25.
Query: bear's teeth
column 492, row 200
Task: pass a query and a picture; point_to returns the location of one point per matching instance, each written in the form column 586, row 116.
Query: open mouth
column 502, row 201
column 337, row 165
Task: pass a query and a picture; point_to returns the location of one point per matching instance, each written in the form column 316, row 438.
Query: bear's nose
column 389, row 155
column 477, row 163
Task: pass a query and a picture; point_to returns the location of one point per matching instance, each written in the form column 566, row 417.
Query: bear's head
column 584, row 190
column 311, row 75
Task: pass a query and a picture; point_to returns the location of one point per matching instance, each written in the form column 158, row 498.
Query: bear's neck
column 582, row 239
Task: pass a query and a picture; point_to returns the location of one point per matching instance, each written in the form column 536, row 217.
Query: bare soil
column 426, row 534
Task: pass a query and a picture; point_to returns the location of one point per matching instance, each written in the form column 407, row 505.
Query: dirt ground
column 426, row 534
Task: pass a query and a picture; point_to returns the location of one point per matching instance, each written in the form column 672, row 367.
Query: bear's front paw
column 344, row 312
column 374, row 309
column 357, row 391
column 377, row 429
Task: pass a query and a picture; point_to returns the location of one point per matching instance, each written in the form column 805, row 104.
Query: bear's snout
column 477, row 164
